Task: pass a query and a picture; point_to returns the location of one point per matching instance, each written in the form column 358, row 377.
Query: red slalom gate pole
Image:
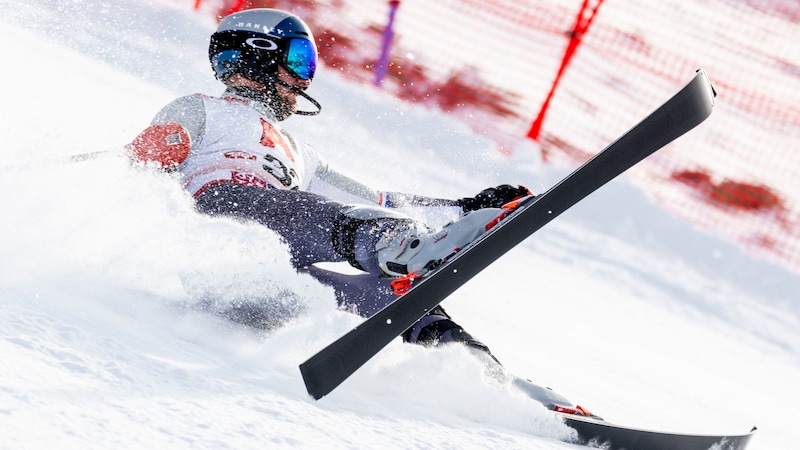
column 582, row 23
column 237, row 5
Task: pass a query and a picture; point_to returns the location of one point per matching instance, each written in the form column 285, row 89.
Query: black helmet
column 254, row 42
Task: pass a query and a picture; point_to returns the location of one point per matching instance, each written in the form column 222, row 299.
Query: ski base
column 598, row 433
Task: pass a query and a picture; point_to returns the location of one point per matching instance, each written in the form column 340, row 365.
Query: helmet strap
column 301, row 93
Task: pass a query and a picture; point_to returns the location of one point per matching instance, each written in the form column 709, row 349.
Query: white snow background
column 617, row 305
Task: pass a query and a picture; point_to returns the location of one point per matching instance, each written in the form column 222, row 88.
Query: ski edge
column 615, row 436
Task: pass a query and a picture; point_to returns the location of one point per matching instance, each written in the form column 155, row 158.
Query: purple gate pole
column 386, row 46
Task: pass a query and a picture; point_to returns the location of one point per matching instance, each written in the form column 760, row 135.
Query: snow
column 617, row 305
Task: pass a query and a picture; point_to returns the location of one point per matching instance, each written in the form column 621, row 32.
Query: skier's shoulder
column 182, row 109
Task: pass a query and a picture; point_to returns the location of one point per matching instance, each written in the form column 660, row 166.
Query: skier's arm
column 327, row 180
column 487, row 198
column 333, row 180
column 493, row 197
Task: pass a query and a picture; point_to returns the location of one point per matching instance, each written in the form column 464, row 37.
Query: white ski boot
column 407, row 250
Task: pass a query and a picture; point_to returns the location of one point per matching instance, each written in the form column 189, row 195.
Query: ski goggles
column 300, row 58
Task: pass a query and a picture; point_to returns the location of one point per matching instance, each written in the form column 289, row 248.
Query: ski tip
column 706, row 90
column 705, row 75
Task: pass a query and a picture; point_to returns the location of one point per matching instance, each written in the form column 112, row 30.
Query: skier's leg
column 319, row 229
column 437, row 328
column 376, row 240
column 397, row 246
column 363, row 294
column 304, row 220
column 367, row 295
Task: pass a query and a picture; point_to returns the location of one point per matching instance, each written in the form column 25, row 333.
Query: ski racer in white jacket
column 235, row 159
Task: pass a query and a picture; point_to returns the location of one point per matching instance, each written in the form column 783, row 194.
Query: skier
column 235, row 160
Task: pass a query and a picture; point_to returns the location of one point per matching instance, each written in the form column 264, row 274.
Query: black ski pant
column 309, row 223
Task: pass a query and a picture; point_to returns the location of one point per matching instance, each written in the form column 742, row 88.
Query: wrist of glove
column 493, row 197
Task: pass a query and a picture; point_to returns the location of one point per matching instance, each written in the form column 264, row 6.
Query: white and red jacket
column 236, row 138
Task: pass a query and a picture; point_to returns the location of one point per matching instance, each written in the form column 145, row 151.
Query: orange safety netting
column 596, row 68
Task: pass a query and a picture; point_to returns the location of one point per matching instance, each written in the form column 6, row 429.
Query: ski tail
column 617, row 437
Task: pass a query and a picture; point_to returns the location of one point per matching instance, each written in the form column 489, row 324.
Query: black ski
column 613, row 437
column 327, row 369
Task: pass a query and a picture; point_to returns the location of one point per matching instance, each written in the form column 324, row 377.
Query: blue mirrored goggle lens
column 301, row 58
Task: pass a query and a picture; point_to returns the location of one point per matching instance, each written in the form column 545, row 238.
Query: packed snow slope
column 617, row 305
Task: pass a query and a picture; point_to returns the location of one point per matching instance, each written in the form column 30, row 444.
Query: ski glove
column 493, row 197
